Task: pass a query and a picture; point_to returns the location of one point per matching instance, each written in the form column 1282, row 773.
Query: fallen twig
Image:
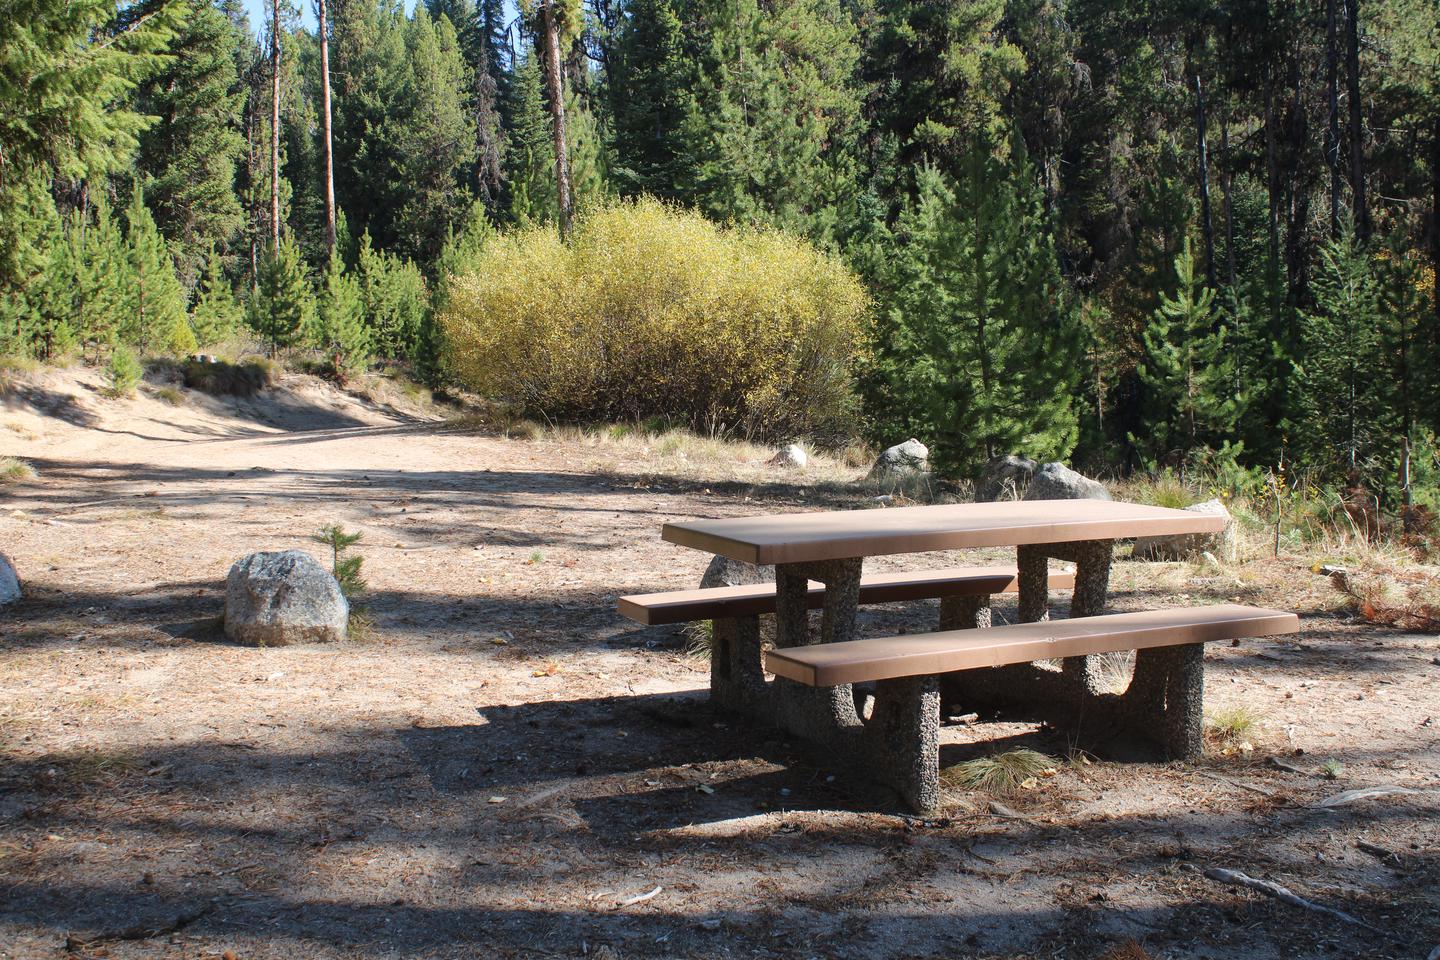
column 640, row 898
column 1365, row 793
column 139, row 931
column 1375, row 849
column 1283, row 894
column 1263, row 791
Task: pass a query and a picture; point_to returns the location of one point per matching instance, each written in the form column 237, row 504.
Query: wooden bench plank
column 682, row 606
column 926, row 654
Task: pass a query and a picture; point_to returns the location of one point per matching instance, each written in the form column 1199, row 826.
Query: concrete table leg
column 813, row 712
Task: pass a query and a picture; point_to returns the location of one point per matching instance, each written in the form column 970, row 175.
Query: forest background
column 1178, row 234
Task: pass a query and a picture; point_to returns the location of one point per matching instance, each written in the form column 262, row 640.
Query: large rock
column 1055, row 481
column 273, row 599
column 1000, row 473
column 724, row 572
column 912, row 456
column 9, row 582
column 1183, row 546
column 790, row 455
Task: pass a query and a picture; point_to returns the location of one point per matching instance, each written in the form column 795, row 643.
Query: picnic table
column 818, row 559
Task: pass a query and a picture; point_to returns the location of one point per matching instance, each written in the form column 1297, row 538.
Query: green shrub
column 123, row 372
column 650, row 311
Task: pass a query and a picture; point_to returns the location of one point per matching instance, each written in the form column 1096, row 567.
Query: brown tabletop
column 837, row 534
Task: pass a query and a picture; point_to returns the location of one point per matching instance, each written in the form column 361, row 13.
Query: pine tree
column 282, row 306
column 154, row 309
column 215, row 315
column 188, row 157
column 649, row 98
column 104, row 278
column 775, row 115
column 341, row 332
column 976, row 348
column 66, row 77
column 1188, row 374
column 530, row 153
column 1346, row 416
column 433, row 135
column 394, row 297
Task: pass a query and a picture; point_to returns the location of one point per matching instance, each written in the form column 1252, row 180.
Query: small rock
column 790, row 455
column 1055, row 481
column 278, row 598
column 9, row 582
column 1002, row 473
column 912, row 456
column 1183, row 546
column 724, row 572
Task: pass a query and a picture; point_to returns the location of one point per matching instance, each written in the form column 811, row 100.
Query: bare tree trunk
column 326, row 148
column 1202, row 153
column 1357, row 126
column 275, row 123
column 1228, row 184
column 1332, row 94
column 555, row 90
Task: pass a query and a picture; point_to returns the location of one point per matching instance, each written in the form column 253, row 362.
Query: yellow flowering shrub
column 649, row 310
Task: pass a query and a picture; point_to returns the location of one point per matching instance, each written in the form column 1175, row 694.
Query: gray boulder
column 790, row 455
column 912, row 456
column 1184, row 546
column 274, row 599
column 1000, row 473
column 724, row 572
column 1055, row 481
column 9, row 582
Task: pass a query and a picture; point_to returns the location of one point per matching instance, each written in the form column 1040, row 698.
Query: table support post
column 1033, row 563
column 815, row 712
column 1165, row 702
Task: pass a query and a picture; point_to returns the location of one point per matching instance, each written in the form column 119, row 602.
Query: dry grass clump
column 1392, row 596
column 1002, row 773
column 1232, row 728
column 223, row 379
column 15, row 470
column 86, row 769
column 172, row 396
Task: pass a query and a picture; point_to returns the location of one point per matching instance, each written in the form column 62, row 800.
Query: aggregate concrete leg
column 1165, row 702
column 962, row 613
column 815, row 712
column 965, row 613
column 902, row 739
column 1033, row 564
column 1084, row 677
column 737, row 676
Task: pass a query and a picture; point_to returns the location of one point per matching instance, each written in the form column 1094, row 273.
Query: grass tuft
column 171, row 395
column 699, row 638
column 1231, row 726
column 999, row 773
column 15, row 470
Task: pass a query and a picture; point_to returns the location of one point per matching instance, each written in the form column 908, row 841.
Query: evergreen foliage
column 215, row 316
column 976, row 347
column 341, row 333
column 393, row 293
column 282, row 305
column 1191, row 398
column 188, row 156
column 153, row 308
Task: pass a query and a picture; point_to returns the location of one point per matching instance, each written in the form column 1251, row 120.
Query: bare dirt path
column 504, row 763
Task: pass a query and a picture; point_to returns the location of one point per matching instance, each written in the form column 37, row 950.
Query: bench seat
column 928, row 654
column 713, row 603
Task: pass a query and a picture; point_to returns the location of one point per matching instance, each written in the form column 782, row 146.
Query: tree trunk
column 1357, row 127
column 1228, row 185
column 275, row 124
column 1332, row 96
column 1202, row 153
column 555, row 90
column 326, row 147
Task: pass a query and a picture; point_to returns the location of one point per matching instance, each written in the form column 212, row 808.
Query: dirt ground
column 506, row 768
